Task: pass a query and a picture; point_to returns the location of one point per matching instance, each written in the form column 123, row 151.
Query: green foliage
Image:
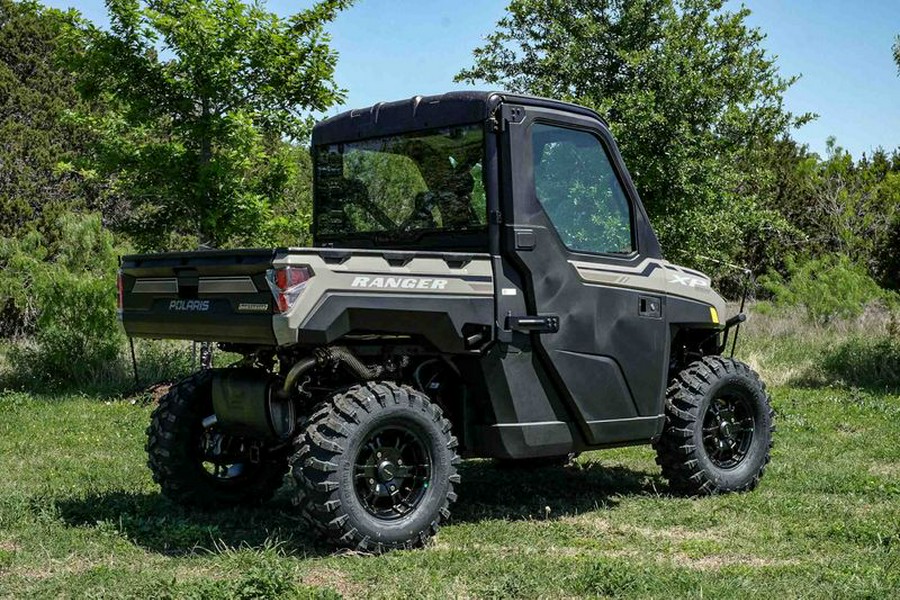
column 844, row 206
column 689, row 91
column 205, row 97
column 37, row 144
column 290, row 212
column 888, row 255
column 866, row 362
column 68, row 299
column 577, row 187
column 858, row 354
column 897, row 53
column 828, row 288
column 265, row 580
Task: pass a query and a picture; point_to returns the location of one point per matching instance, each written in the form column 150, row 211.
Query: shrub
column 865, row 363
column 828, row 288
column 67, row 301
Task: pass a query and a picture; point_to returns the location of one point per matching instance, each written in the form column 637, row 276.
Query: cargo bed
column 218, row 295
column 230, row 295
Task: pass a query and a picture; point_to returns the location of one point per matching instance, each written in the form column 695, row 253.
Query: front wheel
column 718, row 432
column 376, row 468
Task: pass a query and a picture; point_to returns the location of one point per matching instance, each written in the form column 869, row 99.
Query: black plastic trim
column 438, row 319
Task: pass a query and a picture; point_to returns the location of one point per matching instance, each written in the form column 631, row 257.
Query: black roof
column 426, row 112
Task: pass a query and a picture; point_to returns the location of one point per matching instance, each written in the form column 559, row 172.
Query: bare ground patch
column 716, row 562
column 885, row 469
column 326, row 577
column 676, row 534
column 70, row 566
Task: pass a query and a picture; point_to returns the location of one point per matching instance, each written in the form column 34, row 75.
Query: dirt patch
column 675, row 534
column 716, row 562
column 156, row 391
column 885, row 469
column 591, row 522
column 9, row 546
column 600, row 525
column 150, row 395
column 71, row 566
column 323, row 577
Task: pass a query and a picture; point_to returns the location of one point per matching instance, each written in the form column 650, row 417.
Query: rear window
column 402, row 185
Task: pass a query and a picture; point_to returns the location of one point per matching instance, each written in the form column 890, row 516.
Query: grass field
column 80, row 516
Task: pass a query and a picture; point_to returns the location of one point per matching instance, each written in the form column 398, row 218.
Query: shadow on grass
column 151, row 521
column 487, row 492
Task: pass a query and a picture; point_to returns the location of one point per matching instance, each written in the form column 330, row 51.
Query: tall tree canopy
column 205, row 96
column 693, row 98
column 36, row 140
column 897, row 52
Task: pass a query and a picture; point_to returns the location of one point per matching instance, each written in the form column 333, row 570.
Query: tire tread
column 314, row 465
column 676, row 453
column 170, row 459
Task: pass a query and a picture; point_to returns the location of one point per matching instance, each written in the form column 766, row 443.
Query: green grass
column 80, row 516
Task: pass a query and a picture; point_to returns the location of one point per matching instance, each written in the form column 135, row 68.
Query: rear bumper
column 238, row 329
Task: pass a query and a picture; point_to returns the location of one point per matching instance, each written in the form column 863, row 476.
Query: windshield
column 402, row 185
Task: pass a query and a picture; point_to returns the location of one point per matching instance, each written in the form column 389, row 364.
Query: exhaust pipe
column 336, row 355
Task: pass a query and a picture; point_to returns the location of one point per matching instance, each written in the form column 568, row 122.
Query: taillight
column 287, row 283
column 120, row 285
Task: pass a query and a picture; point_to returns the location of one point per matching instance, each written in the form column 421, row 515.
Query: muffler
column 251, row 403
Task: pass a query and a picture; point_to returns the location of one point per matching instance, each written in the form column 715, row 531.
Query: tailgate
column 219, row 295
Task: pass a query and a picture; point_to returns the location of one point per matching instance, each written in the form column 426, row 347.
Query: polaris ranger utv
column 484, row 282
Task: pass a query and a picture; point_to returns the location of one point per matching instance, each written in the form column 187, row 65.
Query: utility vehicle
column 483, row 282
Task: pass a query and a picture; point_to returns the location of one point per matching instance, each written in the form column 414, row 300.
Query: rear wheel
column 718, row 432
column 376, row 467
column 197, row 465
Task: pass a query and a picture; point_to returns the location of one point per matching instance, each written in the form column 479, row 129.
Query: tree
column 67, row 301
column 36, row 140
column 38, row 145
column 840, row 206
column 208, row 96
column 897, row 52
column 890, row 253
column 688, row 90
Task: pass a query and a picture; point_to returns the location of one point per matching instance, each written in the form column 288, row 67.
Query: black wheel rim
column 392, row 472
column 728, row 428
column 223, row 457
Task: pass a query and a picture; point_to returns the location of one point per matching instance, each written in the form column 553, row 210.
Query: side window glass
column 580, row 192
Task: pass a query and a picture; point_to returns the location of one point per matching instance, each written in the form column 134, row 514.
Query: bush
column 828, row 288
column 67, row 302
column 865, row 363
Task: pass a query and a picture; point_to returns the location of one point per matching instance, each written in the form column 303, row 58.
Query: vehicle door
column 574, row 231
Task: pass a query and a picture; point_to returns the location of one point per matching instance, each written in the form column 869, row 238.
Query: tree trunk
column 204, row 198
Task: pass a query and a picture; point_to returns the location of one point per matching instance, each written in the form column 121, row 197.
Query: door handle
column 650, row 306
column 535, row 324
